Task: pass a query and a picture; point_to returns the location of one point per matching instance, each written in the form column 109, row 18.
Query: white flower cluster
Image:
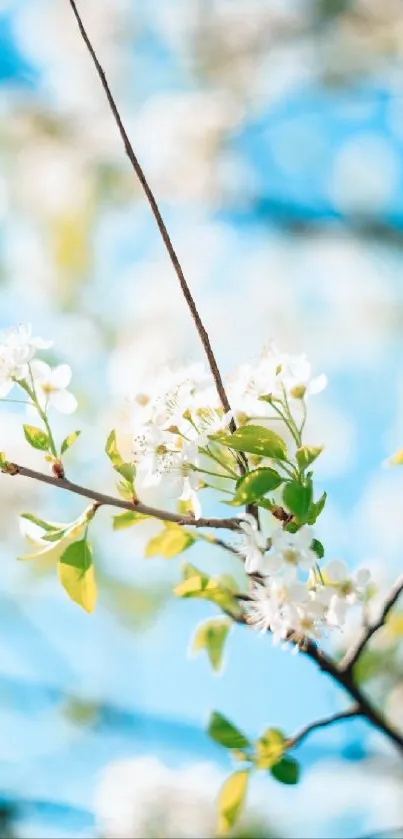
column 291, row 595
column 172, row 421
column 18, row 365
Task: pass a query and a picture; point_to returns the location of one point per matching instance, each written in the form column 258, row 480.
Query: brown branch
column 342, row 715
column 350, row 659
column 111, row 501
column 160, row 222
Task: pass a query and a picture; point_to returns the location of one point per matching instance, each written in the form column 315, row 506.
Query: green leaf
column 3, row 459
column 316, row 509
column 269, row 748
column 68, row 442
column 286, row 771
column 223, row 732
column 231, row 799
column 36, row 438
column 126, row 470
column 307, row 454
column 172, row 541
column 318, row 548
column 125, row 489
column 198, row 584
column 297, row 498
column 76, row 574
column 211, row 636
column 127, row 519
column 45, row 525
column 255, row 484
column 255, row 439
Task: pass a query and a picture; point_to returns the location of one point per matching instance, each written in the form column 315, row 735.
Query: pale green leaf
column 316, row 509
column 126, row 470
column 270, row 748
column 68, row 441
column 36, row 438
column 307, row 454
column 231, row 800
column 127, row 519
column 172, row 541
column 211, row 636
column 76, row 574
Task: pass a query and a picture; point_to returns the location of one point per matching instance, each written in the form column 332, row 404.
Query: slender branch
column 352, row 656
column 111, row 501
column 342, row 715
column 159, row 220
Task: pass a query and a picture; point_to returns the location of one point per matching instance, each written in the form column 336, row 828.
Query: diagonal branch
column 110, row 501
column 342, row 715
column 352, row 656
column 159, row 220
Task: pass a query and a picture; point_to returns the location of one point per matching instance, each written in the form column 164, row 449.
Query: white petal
column 61, row 376
column 41, row 371
column 5, row 387
column 318, row 384
column 63, row 401
column 336, row 571
column 362, row 577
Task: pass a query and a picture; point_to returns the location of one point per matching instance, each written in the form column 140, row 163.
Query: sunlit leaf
column 316, row 509
column 256, row 484
column 307, row 454
column 68, row 442
column 269, row 748
column 211, row 636
column 126, row 470
column 127, row 519
column 172, row 541
column 255, row 439
column 36, row 438
column 231, row 800
column 76, row 574
column 198, row 584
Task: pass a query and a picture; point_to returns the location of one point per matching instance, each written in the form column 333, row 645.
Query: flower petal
column 63, row 401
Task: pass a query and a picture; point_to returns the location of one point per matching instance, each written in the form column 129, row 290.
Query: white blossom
column 351, row 587
column 51, row 386
column 17, row 349
column 289, row 553
column 253, row 544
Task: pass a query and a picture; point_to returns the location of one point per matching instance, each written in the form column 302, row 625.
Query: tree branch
column 110, row 501
column 342, row 715
column 160, row 222
column 352, row 656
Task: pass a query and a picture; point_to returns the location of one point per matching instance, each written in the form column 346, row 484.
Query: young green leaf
column 231, row 800
column 45, row 525
column 211, row 636
column 316, row 509
column 307, row 454
column 36, row 438
column 269, row 748
column 318, row 548
column 223, row 732
column 200, row 585
column 76, row 574
column 68, row 442
column 256, row 484
column 286, row 771
column 172, row 541
column 297, row 498
column 126, row 470
column 255, row 439
column 127, row 519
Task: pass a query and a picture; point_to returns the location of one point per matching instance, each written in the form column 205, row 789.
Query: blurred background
column 272, row 134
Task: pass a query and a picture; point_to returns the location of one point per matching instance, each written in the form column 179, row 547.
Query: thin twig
column 342, row 715
column 111, row 501
column 159, row 220
column 352, row 656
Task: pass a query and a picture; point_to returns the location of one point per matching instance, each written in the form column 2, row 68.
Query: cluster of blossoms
column 291, row 595
column 46, row 387
column 175, row 420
